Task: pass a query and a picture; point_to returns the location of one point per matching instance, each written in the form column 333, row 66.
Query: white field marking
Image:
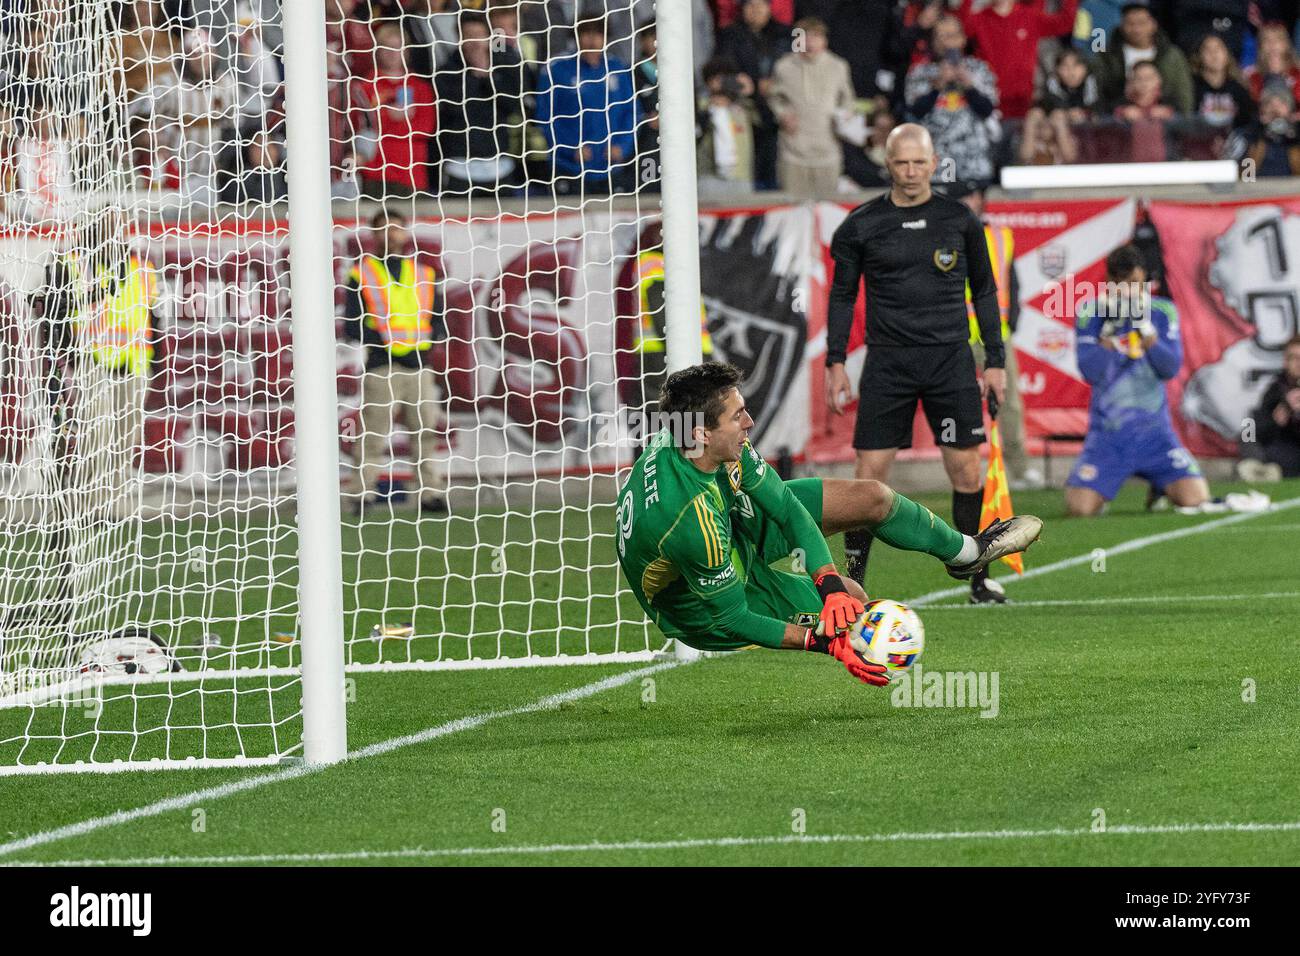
column 789, row 839
column 209, row 794
column 467, row 723
column 1258, row 529
column 1121, row 600
column 64, row 688
column 1133, row 544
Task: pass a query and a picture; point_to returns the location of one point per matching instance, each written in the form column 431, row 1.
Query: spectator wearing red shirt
column 729, row 11
column 1276, row 62
column 397, row 123
column 1006, row 35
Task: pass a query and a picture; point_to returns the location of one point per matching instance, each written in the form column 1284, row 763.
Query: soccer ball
column 888, row 633
column 132, row 650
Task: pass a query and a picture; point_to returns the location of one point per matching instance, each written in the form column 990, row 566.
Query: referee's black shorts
column 941, row 377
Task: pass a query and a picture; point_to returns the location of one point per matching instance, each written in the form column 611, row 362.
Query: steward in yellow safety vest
column 103, row 310
column 650, row 286
column 1002, row 250
column 393, row 304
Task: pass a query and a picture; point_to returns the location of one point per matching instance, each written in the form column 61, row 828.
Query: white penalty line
column 209, row 794
column 1124, row 547
column 421, row 853
column 185, row 801
column 1122, row 599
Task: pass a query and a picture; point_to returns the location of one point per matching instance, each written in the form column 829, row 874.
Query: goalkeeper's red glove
column 842, row 650
column 839, row 608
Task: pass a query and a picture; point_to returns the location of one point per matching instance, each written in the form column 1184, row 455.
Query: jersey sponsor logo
column 945, row 259
column 722, row 577
column 914, row 224
column 760, row 465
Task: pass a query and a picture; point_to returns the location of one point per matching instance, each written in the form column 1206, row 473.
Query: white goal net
column 498, row 280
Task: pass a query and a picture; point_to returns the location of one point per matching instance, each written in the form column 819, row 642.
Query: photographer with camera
column 724, row 131
column 1128, row 347
column 756, row 42
column 1270, row 142
column 953, row 96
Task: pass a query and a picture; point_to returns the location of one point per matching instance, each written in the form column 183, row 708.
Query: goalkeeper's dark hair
column 699, row 391
column 1121, row 263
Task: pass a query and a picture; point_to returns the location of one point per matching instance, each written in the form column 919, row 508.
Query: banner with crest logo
column 1060, row 248
column 543, row 320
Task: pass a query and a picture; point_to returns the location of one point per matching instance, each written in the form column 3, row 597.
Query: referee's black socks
column 966, row 508
column 857, row 546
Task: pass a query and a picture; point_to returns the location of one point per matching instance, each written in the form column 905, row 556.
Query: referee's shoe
column 998, row 540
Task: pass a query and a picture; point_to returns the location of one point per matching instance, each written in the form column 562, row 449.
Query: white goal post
column 320, row 542
column 323, row 344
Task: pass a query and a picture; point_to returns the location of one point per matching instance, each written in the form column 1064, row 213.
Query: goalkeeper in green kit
column 702, row 517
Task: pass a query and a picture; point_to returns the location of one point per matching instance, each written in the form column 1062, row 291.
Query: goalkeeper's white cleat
column 998, row 540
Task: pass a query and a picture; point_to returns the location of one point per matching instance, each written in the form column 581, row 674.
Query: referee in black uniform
column 916, row 250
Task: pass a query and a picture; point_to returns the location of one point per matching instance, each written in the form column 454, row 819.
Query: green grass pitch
column 1155, row 694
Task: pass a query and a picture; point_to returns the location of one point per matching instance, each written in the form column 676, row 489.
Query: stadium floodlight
column 184, row 582
column 1087, row 175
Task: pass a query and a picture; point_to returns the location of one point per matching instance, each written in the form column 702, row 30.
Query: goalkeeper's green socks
column 913, row 527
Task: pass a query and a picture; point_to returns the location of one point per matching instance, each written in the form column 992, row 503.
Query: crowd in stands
column 1007, row 82
column 493, row 97
column 196, row 100
column 799, row 95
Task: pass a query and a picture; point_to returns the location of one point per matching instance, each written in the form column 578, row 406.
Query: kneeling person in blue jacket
column 1127, row 347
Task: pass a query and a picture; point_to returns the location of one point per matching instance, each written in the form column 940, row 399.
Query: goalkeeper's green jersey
column 675, row 542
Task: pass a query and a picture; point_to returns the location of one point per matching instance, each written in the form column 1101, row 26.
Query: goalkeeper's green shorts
column 758, row 542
